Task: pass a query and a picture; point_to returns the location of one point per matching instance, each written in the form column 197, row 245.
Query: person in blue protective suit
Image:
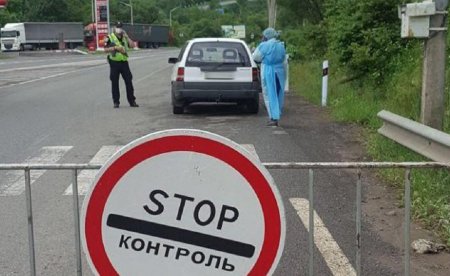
column 271, row 54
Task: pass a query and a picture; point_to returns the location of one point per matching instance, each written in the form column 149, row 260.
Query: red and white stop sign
column 183, row 202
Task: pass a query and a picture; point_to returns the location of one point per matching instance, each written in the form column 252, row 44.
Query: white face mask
column 119, row 32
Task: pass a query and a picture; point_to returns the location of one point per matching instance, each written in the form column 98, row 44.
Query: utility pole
column 433, row 86
column 132, row 18
column 272, row 12
column 93, row 10
column 170, row 15
column 130, row 5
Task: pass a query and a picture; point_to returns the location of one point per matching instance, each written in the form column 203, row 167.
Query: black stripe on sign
column 180, row 235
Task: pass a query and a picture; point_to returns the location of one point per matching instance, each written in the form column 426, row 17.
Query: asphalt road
column 60, row 109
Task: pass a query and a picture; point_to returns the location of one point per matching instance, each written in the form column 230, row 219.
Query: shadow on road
column 219, row 109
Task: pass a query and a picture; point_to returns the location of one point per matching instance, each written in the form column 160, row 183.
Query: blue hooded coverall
column 271, row 54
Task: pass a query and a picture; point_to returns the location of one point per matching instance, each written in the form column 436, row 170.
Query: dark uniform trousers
column 121, row 68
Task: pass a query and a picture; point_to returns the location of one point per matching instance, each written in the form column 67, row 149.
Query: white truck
column 36, row 35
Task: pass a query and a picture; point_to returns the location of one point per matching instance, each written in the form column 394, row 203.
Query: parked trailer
column 36, row 35
column 145, row 35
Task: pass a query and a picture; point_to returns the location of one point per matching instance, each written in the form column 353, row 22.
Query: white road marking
column 279, row 132
column 86, row 177
column 331, row 252
column 14, row 181
column 57, row 65
column 90, row 63
column 47, row 77
column 152, row 74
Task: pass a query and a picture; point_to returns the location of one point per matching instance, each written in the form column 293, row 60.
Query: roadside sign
column 183, row 202
column 101, row 21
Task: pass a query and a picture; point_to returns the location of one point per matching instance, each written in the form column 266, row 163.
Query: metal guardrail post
column 30, row 222
column 407, row 220
column 311, row 222
column 76, row 215
column 358, row 224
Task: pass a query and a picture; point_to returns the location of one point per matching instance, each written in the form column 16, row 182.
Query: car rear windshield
column 218, row 52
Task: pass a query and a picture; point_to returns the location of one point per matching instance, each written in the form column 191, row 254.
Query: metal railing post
column 407, row 219
column 311, row 222
column 358, row 224
column 30, row 222
column 76, row 215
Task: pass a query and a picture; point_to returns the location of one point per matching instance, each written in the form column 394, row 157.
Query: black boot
column 273, row 123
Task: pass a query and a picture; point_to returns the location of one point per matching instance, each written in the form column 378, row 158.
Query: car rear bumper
column 183, row 93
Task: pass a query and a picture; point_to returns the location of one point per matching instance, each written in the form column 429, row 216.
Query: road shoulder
column 381, row 205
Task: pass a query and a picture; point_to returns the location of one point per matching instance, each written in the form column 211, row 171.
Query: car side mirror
column 173, row 60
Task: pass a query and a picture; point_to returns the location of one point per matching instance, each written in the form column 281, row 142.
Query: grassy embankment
column 360, row 103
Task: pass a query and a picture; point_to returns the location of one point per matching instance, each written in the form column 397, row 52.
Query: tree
column 10, row 13
column 204, row 28
column 144, row 11
column 54, row 10
column 364, row 35
column 297, row 11
column 147, row 12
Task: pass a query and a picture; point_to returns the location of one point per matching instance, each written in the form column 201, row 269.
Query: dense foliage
column 361, row 36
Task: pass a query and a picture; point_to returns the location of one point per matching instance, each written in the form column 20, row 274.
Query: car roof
column 214, row 39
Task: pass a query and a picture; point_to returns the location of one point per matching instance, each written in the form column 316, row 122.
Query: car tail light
column 180, row 74
column 255, row 74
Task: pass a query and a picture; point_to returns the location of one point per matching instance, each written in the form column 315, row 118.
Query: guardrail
column 427, row 141
column 310, row 166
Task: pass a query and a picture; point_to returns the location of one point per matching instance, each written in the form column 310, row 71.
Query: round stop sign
column 183, row 202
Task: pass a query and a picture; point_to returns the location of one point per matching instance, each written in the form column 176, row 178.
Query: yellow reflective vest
column 118, row 56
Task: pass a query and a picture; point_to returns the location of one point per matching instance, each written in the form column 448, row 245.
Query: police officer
column 117, row 45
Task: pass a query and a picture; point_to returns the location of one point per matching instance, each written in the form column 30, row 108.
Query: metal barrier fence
column 273, row 165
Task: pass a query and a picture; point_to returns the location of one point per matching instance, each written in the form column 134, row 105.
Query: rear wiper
column 217, row 66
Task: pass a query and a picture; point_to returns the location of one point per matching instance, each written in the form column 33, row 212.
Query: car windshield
column 9, row 33
column 218, row 53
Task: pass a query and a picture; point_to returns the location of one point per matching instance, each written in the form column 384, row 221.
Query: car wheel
column 253, row 106
column 177, row 109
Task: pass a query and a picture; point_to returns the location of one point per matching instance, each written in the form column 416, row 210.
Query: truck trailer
column 36, row 35
column 145, row 35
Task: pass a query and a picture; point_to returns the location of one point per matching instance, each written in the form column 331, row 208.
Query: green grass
column 360, row 103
